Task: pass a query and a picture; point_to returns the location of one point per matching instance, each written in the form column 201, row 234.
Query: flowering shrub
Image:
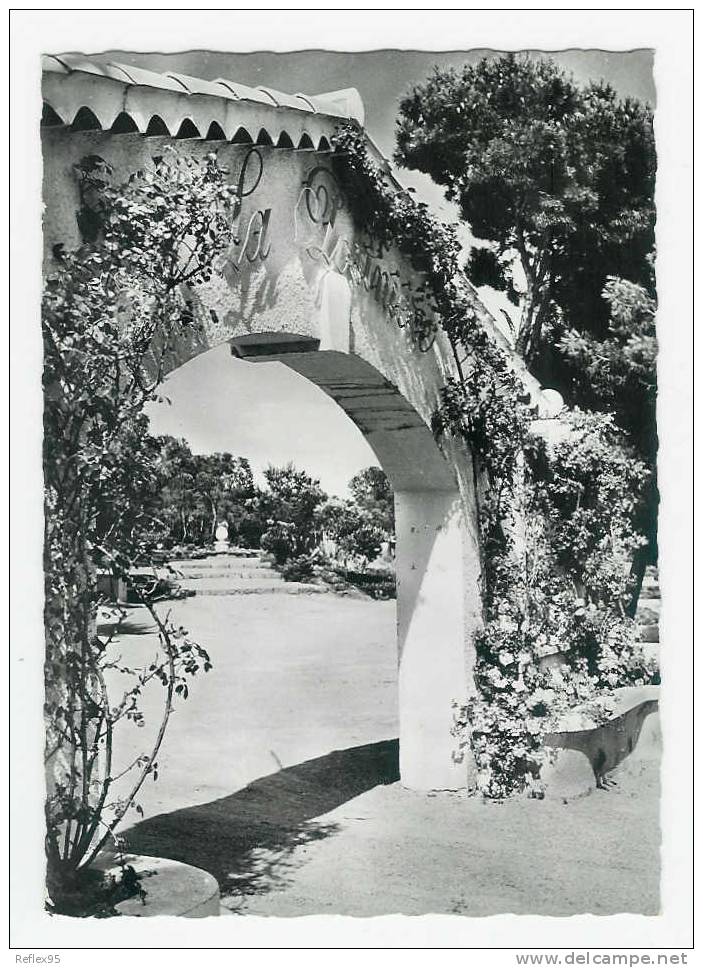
column 109, row 314
column 557, row 522
column 558, row 586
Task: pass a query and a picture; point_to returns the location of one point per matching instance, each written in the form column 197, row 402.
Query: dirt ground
column 279, row 776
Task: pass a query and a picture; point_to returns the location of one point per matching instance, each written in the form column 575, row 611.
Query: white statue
column 222, row 537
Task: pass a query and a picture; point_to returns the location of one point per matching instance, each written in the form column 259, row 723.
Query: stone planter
column 172, row 889
column 587, row 751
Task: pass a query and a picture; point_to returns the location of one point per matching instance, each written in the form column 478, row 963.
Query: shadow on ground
column 245, row 840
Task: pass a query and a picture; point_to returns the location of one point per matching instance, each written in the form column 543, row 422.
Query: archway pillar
column 434, row 640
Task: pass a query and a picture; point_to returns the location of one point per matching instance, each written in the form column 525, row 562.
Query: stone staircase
column 239, row 572
column 648, row 611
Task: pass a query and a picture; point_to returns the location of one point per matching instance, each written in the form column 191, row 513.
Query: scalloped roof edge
column 346, row 103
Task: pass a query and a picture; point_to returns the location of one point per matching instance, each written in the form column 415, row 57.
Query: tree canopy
column 362, row 525
column 371, row 490
column 554, row 177
column 197, row 491
column 288, row 506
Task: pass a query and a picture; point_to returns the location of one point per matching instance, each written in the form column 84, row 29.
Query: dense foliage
column 558, row 181
column 299, row 515
column 193, row 493
column 109, row 312
column 361, row 527
column 618, row 374
column 555, row 177
column 185, row 496
column 371, row 490
column 354, row 530
column 556, row 632
column 288, row 505
column 558, row 523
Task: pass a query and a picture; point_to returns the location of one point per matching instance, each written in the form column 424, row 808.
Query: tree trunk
column 527, row 342
column 639, row 566
column 214, row 518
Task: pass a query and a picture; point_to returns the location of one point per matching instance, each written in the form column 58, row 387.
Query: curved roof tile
column 141, row 77
column 243, row 93
column 345, row 104
column 306, row 100
column 282, row 100
column 229, row 86
column 77, row 62
column 52, row 65
column 195, row 85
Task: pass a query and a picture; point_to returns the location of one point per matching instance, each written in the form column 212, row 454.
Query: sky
column 264, row 411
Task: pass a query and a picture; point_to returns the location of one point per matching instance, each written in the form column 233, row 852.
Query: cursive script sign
column 364, row 264
column 250, row 236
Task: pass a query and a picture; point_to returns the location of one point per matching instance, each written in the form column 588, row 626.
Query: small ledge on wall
column 256, row 345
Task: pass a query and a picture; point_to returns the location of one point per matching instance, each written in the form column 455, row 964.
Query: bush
column 279, row 542
column 298, row 569
column 247, row 532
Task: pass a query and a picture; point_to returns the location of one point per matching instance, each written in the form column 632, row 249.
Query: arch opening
column 49, row 117
column 429, row 552
column 215, row 133
column 264, row 139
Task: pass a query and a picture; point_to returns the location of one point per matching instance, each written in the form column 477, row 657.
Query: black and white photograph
column 349, row 499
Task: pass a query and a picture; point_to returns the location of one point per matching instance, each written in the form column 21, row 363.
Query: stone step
column 649, row 633
column 223, row 563
column 236, row 574
column 261, row 588
column 230, row 553
column 648, row 614
column 199, row 582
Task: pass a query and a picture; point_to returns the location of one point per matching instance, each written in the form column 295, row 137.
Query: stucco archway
column 303, row 283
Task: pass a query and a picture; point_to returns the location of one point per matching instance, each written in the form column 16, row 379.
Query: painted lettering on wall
column 250, row 235
column 364, row 263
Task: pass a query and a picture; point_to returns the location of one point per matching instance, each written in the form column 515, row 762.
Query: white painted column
column 432, row 636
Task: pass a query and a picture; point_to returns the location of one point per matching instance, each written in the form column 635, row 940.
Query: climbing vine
column 555, row 519
column 111, row 309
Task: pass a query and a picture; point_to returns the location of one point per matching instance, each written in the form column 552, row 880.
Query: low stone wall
column 588, row 751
